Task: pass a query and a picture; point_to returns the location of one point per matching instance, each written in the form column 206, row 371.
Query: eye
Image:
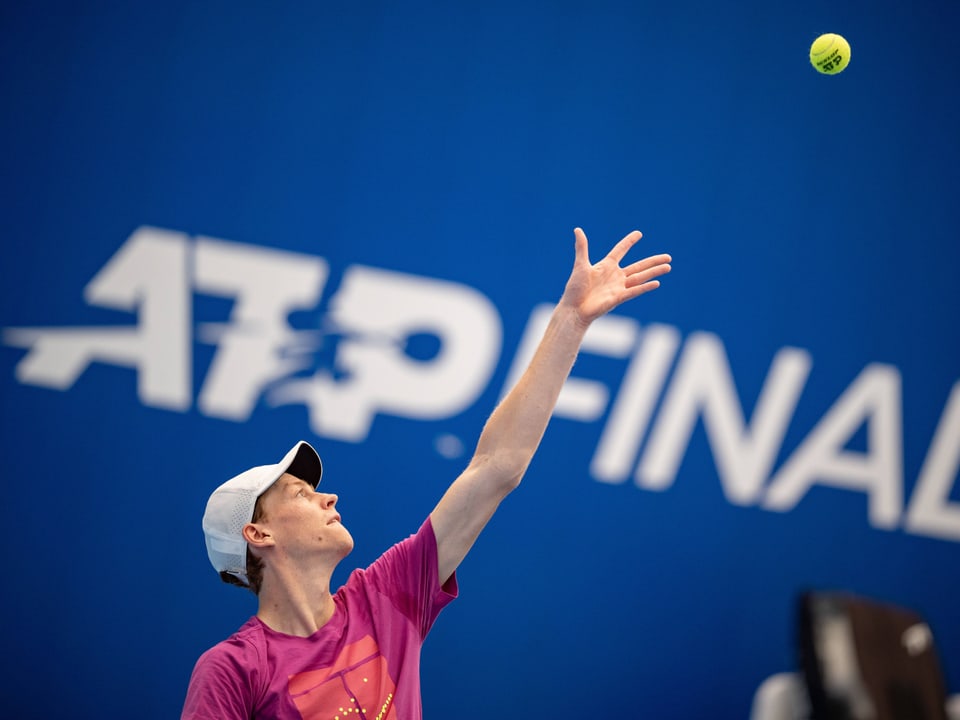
column 301, row 493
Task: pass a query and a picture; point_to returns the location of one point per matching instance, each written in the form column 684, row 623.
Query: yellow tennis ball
column 830, row 53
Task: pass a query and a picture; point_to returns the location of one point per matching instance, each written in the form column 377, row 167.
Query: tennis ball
column 830, row 53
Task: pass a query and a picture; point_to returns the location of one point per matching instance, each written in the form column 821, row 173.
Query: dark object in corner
column 866, row 660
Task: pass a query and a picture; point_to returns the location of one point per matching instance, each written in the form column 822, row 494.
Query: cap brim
column 303, row 462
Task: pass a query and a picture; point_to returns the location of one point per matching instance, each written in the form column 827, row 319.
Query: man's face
column 304, row 524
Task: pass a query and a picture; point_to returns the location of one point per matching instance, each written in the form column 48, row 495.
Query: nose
column 328, row 500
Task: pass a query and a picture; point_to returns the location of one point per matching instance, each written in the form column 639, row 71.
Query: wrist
column 569, row 316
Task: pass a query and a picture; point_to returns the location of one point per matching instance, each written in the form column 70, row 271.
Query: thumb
column 582, row 252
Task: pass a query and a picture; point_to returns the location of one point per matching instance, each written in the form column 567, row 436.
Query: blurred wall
column 230, row 226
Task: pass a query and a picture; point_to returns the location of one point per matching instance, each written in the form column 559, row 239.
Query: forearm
column 514, row 430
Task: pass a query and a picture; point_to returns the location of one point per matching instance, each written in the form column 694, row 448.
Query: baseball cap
column 231, row 505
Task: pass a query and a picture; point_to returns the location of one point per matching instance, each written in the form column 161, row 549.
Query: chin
column 347, row 543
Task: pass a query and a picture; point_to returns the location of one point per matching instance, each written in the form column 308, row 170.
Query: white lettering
column 377, row 311
column 703, row 386
column 930, row 513
column 147, row 275
column 620, row 441
column 874, row 398
column 372, row 336
column 258, row 346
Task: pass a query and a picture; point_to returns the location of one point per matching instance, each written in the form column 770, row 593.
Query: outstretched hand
column 596, row 289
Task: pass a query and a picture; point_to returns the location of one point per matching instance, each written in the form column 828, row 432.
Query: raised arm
column 514, row 429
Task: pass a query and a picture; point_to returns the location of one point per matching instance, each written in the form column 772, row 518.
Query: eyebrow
column 296, row 483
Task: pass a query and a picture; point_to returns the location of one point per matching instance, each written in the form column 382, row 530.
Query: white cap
column 231, row 505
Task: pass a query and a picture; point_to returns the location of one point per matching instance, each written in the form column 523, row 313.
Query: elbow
column 504, row 468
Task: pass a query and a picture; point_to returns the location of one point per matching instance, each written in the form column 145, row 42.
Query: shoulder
column 238, row 657
column 225, row 676
column 404, row 578
column 402, row 561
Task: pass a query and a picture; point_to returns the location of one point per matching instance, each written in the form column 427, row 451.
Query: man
column 309, row 653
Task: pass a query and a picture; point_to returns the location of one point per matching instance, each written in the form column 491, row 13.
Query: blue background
column 464, row 141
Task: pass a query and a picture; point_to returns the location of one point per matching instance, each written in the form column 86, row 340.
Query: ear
column 256, row 534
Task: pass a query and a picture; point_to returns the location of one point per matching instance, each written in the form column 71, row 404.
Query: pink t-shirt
column 364, row 664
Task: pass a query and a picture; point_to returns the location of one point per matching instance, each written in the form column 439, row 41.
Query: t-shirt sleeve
column 221, row 684
column 408, row 574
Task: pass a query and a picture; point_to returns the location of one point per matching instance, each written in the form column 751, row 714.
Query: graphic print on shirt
column 356, row 687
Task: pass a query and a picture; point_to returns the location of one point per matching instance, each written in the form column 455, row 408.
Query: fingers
column 645, row 276
column 623, row 247
column 646, row 263
column 641, row 289
column 637, row 273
